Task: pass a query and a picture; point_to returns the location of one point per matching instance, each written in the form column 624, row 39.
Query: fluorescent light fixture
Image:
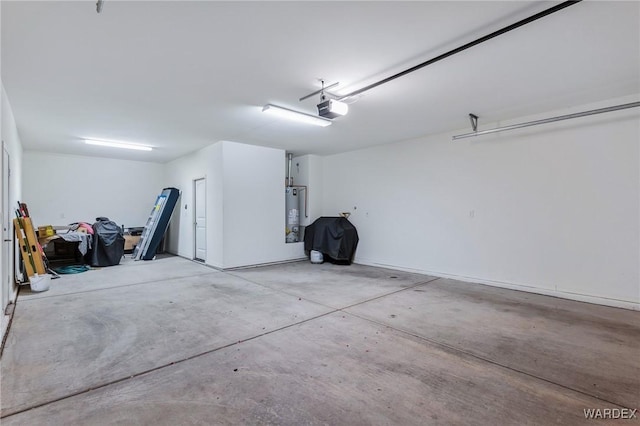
column 300, row 117
column 113, row 144
column 332, row 108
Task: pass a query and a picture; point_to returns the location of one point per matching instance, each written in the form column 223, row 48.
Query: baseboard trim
column 258, row 265
column 235, row 268
column 597, row 300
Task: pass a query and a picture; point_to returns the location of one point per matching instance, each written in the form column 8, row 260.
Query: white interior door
column 200, row 219
column 7, row 238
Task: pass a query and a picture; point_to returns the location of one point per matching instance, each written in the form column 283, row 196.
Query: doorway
column 7, row 237
column 200, row 220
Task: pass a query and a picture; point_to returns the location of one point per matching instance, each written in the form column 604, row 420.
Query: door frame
column 6, row 267
column 195, row 219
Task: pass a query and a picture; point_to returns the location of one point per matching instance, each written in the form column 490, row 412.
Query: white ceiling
column 182, row 75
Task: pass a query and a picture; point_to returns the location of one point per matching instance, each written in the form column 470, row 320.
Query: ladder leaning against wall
column 156, row 225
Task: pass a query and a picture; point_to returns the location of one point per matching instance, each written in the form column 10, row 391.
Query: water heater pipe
column 289, row 177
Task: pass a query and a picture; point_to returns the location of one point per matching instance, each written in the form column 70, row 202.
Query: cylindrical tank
column 292, row 215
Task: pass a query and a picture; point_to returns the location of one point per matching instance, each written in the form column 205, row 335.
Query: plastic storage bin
column 40, row 282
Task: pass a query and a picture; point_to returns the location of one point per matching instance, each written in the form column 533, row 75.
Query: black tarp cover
column 108, row 243
column 335, row 237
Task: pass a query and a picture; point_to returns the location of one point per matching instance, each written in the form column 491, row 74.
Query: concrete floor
column 174, row 342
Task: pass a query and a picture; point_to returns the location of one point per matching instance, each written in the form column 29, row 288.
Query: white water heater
column 292, row 197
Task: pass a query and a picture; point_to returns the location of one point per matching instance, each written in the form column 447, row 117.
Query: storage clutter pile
column 100, row 244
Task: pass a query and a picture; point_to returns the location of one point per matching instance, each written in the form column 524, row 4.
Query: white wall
column 11, row 139
column 307, row 170
column 552, row 209
column 61, row 189
column 245, row 205
column 254, row 206
column 205, row 163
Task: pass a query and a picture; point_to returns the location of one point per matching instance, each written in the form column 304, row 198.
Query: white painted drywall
column 307, row 170
column 254, row 205
column 245, row 205
column 205, row 163
column 13, row 145
column 551, row 209
column 62, row 189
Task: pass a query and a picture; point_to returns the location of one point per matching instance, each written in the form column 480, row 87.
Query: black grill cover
column 335, row 237
column 108, row 243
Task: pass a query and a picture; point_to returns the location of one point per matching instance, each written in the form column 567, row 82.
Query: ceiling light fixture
column 113, row 144
column 300, row 117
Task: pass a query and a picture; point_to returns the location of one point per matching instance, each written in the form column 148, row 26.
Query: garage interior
column 488, row 160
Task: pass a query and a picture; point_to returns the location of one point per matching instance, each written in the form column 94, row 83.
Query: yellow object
column 45, row 231
column 29, row 247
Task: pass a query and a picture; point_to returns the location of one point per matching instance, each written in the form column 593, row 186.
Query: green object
column 72, row 269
